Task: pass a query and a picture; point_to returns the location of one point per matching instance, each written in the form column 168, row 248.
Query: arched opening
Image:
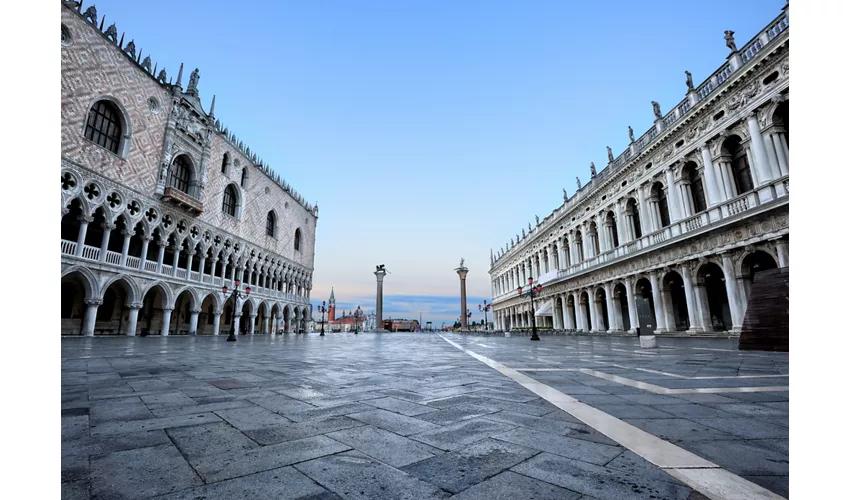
column 753, row 263
column 206, row 318
column 287, row 317
column 105, row 126
column 113, row 315
column 559, row 314
column 585, row 311
column 70, row 227
column 304, row 320
column 298, row 240
column 153, row 246
column 151, row 314
column 136, row 241
column 780, row 120
column 658, row 196
column 675, row 303
column 593, row 234
column 710, row 291
column 271, row 223
column 72, row 307
column 94, row 233
column 734, row 152
column 275, row 326
column 245, row 320
column 181, row 316
column 571, row 311
column 643, row 290
column 694, row 187
column 602, row 309
column 565, row 244
column 634, row 214
column 611, row 229
column 228, row 204
column 262, row 324
column 579, row 245
column 244, row 178
column 180, row 173
column 622, row 304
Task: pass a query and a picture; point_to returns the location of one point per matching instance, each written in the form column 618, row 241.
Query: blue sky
column 431, row 131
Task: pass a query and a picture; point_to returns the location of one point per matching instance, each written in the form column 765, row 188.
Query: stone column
column 125, row 247
column 612, row 314
column 81, row 236
column 645, row 218
column 737, row 306
column 201, row 265
column 702, row 309
column 569, row 324
column 91, row 316
column 193, row 321
column 781, row 149
column 759, row 151
column 711, row 185
column 176, row 260
column 133, row 318
column 166, row 320
column 190, row 256
column 462, row 272
column 688, row 208
column 216, row 322
column 161, row 256
column 632, row 305
column 253, row 319
column 618, row 216
column 674, row 204
column 104, row 242
column 379, row 301
column 694, row 316
column 657, row 300
column 144, row 259
column 562, row 262
column 594, row 325
column 782, row 252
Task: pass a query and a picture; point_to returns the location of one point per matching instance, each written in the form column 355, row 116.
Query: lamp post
column 236, row 294
column 322, row 309
column 531, row 291
column 485, row 308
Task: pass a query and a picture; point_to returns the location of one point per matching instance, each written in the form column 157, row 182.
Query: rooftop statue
column 689, row 81
column 193, row 81
column 380, row 268
column 565, row 194
column 461, row 263
column 610, row 154
column 657, row 110
column 729, row 36
column 592, row 170
column 90, row 15
column 631, row 134
column 578, row 183
column 537, row 219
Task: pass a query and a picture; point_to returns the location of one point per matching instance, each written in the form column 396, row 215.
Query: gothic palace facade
column 684, row 217
column 162, row 206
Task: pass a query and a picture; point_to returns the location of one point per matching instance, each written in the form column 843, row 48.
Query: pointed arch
column 131, row 288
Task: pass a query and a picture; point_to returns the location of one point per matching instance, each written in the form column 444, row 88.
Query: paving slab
column 598, row 481
column 116, row 427
column 747, row 428
column 385, row 446
column 462, row 468
column 564, row 446
column 300, row 430
column 454, row 414
column 356, row 476
column 405, row 408
column 76, row 490
column 144, row 472
column 452, row 437
column 229, row 464
column 394, row 422
column 512, row 486
column 285, row 483
column 251, row 417
column 209, row 439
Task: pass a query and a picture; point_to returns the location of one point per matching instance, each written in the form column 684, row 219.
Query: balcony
column 182, row 200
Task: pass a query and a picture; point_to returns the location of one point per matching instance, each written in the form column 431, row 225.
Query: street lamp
column 531, row 291
column 485, row 308
column 236, row 294
column 322, row 309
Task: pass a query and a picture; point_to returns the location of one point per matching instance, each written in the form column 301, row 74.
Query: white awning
column 546, row 309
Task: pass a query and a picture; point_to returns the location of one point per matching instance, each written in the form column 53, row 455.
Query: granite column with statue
column 462, row 272
column 379, row 301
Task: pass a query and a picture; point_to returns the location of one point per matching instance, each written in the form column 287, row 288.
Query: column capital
column 92, row 302
column 88, row 219
column 128, row 232
column 217, row 312
column 195, row 310
column 253, row 315
column 108, row 226
column 134, row 305
column 168, row 308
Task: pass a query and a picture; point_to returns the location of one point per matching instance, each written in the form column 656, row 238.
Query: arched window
column 695, row 184
column 224, row 162
column 632, row 209
column 244, row 177
column 180, row 175
column 103, row 126
column 228, row 206
column 661, row 198
column 740, row 164
column 298, row 239
column 270, row 224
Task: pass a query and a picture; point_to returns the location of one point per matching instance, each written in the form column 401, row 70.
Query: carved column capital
column 92, row 302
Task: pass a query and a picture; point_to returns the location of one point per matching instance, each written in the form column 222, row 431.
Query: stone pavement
column 407, row 416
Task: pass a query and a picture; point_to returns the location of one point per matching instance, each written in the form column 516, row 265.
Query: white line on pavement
column 700, row 474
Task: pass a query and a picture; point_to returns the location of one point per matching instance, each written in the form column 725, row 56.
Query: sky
column 430, row 131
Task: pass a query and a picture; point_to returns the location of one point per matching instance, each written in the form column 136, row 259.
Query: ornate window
column 224, row 162
column 740, row 164
column 697, row 191
column 103, row 126
column 244, row 177
column 270, row 224
column 661, row 198
column 298, row 239
column 181, row 174
column 229, row 204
